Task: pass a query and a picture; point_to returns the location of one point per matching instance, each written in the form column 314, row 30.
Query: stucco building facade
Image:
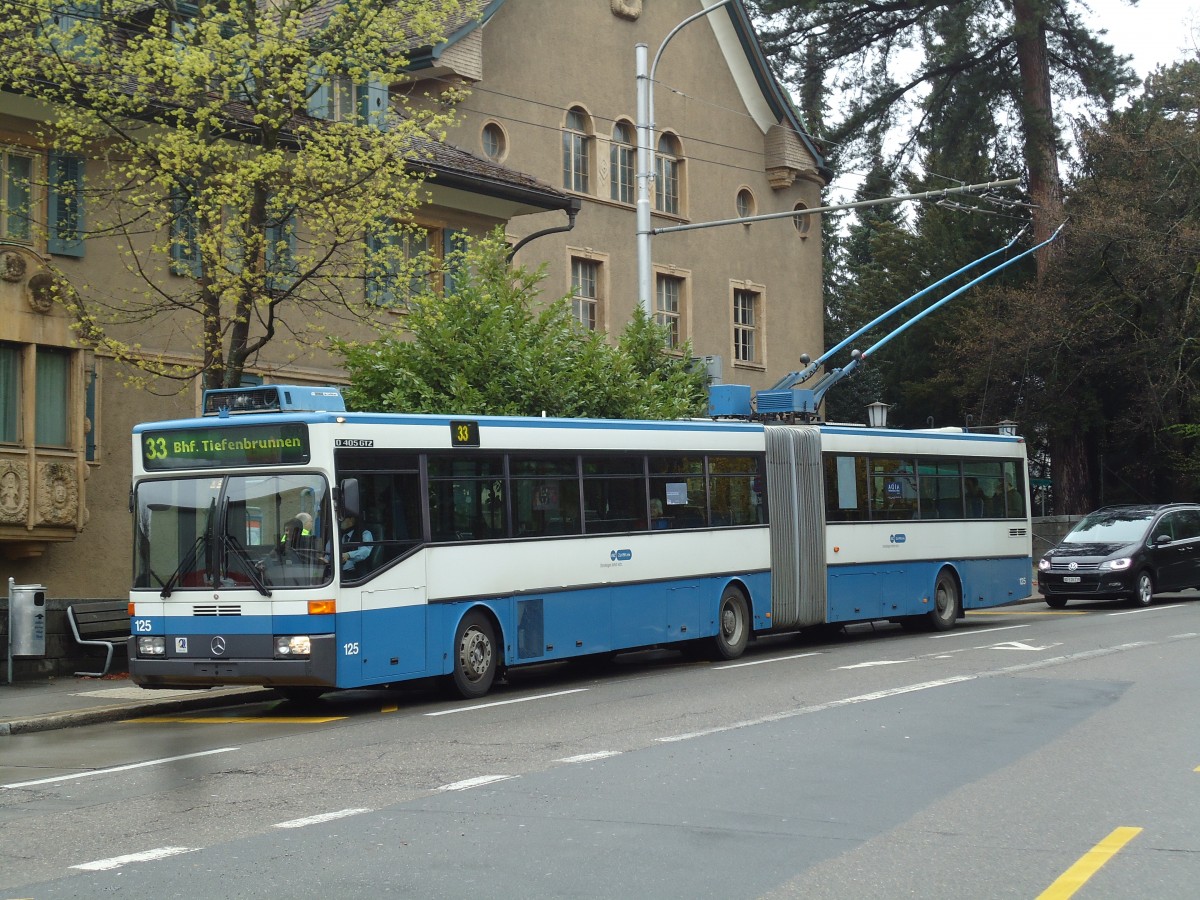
column 545, row 140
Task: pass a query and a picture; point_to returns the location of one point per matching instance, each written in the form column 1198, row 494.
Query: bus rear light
column 151, row 646
column 322, row 607
column 131, row 606
column 291, row 646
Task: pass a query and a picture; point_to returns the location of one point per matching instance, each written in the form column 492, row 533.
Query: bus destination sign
column 223, row 447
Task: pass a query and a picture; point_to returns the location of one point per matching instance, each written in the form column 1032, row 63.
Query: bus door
column 392, row 638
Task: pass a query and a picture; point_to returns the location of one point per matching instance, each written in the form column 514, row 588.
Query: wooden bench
column 101, row 623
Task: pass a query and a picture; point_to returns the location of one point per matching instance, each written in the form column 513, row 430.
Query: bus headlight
column 288, row 646
column 152, row 646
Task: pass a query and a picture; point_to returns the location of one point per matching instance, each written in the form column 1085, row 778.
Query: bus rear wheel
column 946, row 602
column 474, row 656
column 733, row 625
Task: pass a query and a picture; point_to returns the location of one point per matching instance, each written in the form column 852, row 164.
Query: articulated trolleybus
column 280, row 540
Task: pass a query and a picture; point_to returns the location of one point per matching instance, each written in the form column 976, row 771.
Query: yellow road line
column 388, row 709
column 243, row 720
column 1089, row 864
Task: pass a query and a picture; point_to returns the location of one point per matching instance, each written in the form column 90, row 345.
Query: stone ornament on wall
column 627, row 9
column 58, row 494
column 40, row 292
column 14, row 492
column 12, row 266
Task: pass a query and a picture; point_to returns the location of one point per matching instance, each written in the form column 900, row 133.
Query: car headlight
column 288, row 646
column 1117, row 565
column 1043, row 564
column 151, row 646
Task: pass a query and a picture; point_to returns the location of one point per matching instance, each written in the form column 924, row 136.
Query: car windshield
column 238, row 531
column 1110, row 526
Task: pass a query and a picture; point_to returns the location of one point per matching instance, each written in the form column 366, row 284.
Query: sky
column 1155, row 32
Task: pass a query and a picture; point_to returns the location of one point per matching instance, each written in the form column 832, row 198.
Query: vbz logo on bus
column 897, row 538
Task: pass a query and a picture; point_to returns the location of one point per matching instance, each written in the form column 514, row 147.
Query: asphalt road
column 1027, row 751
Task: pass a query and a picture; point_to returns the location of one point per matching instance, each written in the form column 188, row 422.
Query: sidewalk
column 67, row 701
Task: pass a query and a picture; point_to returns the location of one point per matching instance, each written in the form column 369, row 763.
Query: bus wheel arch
column 477, row 653
column 947, row 600
column 734, row 621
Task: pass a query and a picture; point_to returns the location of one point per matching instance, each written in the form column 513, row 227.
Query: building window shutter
column 281, row 266
column 381, row 277
column 185, row 252
column 454, row 248
column 66, row 206
column 377, row 104
column 318, row 100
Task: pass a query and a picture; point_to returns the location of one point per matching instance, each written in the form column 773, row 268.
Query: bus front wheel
column 474, row 656
column 733, row 625
column 945, row 602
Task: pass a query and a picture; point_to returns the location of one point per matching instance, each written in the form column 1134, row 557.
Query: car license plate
column 1070, row 579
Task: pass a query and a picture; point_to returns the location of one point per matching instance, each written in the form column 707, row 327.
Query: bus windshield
column 236, row 531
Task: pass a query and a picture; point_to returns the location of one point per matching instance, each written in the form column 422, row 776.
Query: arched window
column 668, row 174
column 622, row 157
column 576, row 145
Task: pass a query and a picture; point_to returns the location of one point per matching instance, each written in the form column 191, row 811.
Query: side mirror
column 1161, row 539
column 348, row 500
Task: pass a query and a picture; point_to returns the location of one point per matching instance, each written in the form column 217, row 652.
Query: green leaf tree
column 893, row 60
column 490, row 347
column 244, row 158
column 1103, row 357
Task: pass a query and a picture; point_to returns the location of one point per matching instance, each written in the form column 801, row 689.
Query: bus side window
column 545, row 496
column 845, row 488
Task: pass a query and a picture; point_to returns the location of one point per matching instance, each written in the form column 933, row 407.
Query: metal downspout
column 572, row 212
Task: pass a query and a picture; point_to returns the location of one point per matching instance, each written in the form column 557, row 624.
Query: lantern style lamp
column 877, row 414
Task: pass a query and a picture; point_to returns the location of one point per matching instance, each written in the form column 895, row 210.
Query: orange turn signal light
column 131, row 612
column 322, row 607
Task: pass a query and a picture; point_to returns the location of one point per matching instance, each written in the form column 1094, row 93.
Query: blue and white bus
column 469, row 545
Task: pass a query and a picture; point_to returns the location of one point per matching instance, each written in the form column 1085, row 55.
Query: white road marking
column 141, row 765
column 102, row 865
column 820, row 707
column 589, row 757
column 320, row 817
column 1130, row 612
column 909, row 689
column 974, row 631
column 1018, row 645
column 763, row 662
column 463, row 709
column 474, row 782
column 877, row 662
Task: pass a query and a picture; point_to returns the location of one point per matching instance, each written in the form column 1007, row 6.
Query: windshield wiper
column 185, row 564
column 252, row 571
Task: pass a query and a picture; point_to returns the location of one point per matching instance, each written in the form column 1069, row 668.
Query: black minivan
column 1125, row 552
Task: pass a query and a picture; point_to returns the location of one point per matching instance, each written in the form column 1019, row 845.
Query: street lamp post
column 645, row 153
